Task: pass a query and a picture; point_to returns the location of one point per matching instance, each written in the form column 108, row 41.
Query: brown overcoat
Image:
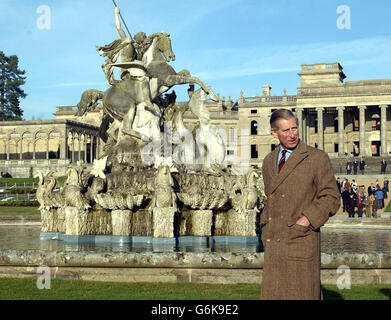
column 305, row 186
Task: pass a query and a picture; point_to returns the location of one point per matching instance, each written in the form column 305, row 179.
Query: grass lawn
column 60, row 180
column 19, row 211
column 26, row 289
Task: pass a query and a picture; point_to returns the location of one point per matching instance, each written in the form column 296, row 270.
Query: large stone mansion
column 345, row 119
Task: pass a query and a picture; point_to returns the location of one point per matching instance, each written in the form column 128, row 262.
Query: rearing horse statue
column 130, row 101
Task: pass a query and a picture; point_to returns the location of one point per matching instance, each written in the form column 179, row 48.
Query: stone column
column 73, row 148
column 299, row 115
column 85, row 148
column 383, row 129
column 92, row 149
column 79, row 147
column 63, row 146
column 21, row 149
column 307, row 127
column 363, row 150
column 91, row 160
column 341, row 131
column 97, row 147
column 8, row 149
column 320, row 128
column 47, row 147
column 34, row 143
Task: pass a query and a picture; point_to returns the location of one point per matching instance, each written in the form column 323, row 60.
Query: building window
column 375, row 122
column 336, row 147
column 230, row 152
column 254, row 127
column 254, row 111
column 336, row 125
column 232, row 136
column 254, row 151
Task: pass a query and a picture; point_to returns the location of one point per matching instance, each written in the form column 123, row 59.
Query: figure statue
column 72, row 190
column 164, row 196
column 121, row 49
column 208, row 134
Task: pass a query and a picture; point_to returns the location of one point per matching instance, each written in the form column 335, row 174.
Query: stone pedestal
column 202, row 223
column 142, row 223
column 197, row 223
column 120, row 221
column 243, row 224
column 53, row 220
column 75, row 222
column 49, row 220
column 233, row 223
column 163, row 222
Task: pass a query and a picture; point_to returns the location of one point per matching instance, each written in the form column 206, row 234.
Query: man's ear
column 274, row 133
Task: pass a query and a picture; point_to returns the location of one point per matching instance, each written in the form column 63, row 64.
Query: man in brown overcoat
column 301, row 195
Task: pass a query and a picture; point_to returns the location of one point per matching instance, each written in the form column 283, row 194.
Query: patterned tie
column 282, row 160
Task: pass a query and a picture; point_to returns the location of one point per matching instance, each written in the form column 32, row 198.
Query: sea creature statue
column 248, row 198
column 41, row 190
column 164, row 196
column 46, row 196
column 72, row 190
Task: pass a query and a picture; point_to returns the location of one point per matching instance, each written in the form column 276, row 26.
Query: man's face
column 287, row 133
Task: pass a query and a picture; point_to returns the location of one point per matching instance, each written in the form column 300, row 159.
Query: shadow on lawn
column 386, row 292
column 331, row 295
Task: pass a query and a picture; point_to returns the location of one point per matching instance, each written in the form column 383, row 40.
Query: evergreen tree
column 11, row 79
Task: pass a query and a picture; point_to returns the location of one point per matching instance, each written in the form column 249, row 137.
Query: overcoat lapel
column 297, row 156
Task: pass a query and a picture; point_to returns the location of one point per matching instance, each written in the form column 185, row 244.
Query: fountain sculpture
column 133, row 192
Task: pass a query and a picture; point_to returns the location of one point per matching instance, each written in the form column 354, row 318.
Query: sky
column 232, row 45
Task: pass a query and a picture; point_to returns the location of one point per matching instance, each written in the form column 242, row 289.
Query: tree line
column 11, row 80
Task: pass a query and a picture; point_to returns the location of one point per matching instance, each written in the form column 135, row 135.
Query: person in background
column 383, row 166
column 385, row 188
column 339, row 185
column 348, row 186
column 362, row 166
column 354, row 186
column 347, row 200
column 360, row 203
column 348, row 167
column 355, row 166
column 379, row 196
column 371, row 189
column 370, row 205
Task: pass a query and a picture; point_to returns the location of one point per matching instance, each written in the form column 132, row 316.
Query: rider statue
column 122, row 50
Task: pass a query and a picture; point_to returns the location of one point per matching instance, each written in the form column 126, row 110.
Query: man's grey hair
column 281, row 114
